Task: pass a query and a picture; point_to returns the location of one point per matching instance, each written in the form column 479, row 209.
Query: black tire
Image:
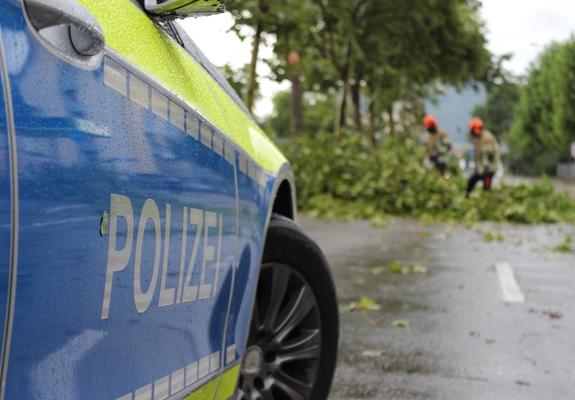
column 295, row 293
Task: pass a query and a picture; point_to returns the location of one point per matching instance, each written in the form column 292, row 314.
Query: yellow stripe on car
column 132, row 34
column 225, row 386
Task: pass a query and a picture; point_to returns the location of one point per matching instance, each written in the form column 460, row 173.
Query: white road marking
column 509, row 286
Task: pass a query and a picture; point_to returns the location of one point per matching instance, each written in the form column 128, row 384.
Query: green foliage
column 545, row 118
column 345, row 179
column 492, row 237
column 318, row 116
column 566, row 246
column 389, row 50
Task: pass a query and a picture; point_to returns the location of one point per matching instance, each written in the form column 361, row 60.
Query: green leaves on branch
column 370, row 53
column 344, row 179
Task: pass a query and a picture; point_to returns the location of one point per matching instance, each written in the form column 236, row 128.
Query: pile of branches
column 346, row 178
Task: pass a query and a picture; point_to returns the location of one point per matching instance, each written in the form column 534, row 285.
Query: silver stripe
column 177, row 381
column 206, row 135
column 214, row 361
column 144, row 393
column 116, row 77
column 230, row 354
column 204, row 367
column 162, row 388
column 139, row 91
column 191, row 373
column 192, row 126
column 160, row 105
column 14, row 213
column 177, row 116
column 218, row 143
column 243, row 164
column 230, row 153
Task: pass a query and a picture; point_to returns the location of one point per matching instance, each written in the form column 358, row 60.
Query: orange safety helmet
column 476, row 126
column 430, row 122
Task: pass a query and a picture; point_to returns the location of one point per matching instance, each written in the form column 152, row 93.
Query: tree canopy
column 371, row 54
column 544, row 124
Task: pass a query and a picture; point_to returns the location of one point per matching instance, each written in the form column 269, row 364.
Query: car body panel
column 131, row 33
column 5, row 201
column 112, row 162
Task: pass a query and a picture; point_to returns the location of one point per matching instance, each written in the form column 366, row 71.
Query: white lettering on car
column 120, row 206
column 142, row 299
column 190, row 293
column 166, row 294
column 206, row 229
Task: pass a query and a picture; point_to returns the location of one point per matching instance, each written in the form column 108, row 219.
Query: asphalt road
column 463, row 341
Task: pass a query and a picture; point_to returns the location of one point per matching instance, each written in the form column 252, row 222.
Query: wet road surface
column 463, row 341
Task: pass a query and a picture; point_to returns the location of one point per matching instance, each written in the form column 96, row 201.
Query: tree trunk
column 391, row 121
column 252, row 84
column 298, row 124
column 342, row 112
column 371, row 127
column 356, row 98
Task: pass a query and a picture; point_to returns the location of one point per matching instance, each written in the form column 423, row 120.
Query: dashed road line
column 509, row 287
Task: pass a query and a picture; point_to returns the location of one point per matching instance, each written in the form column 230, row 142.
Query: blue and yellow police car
column 148, row 248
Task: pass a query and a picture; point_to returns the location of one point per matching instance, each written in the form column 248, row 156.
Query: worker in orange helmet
column 437, row 145
column 487, row 156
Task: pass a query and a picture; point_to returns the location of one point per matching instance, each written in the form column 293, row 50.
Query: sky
column 521, row 27
column 524, row 27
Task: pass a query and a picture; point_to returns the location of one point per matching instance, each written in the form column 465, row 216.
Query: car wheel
column 292, row 346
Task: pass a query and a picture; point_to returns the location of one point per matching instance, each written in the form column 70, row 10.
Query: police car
column 148, row 248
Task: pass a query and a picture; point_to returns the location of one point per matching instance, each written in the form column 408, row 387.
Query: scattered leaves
column 400, row 323
column 378, row 270
column 364, row 304
column 405, row 269
column 376, row 322
column 418, row 269
column 489, row 341
column 567, row 245
column 523, row 383
column 371, row 353
column 490, row 237
column 344, row 178
column 553, row 314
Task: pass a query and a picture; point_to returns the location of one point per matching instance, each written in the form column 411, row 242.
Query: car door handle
column 66, row 26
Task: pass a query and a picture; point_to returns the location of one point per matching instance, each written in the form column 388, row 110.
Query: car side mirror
column 167, row 10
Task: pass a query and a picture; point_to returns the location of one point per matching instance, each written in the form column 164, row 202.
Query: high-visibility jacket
column 438, row 143
column 487, row 155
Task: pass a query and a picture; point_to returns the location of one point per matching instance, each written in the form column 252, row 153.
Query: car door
column 6, row 195
column 128, row 209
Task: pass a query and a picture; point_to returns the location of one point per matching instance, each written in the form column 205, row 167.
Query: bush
column 346, row 179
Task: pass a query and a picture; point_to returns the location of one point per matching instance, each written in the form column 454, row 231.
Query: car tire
column 292, row 346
